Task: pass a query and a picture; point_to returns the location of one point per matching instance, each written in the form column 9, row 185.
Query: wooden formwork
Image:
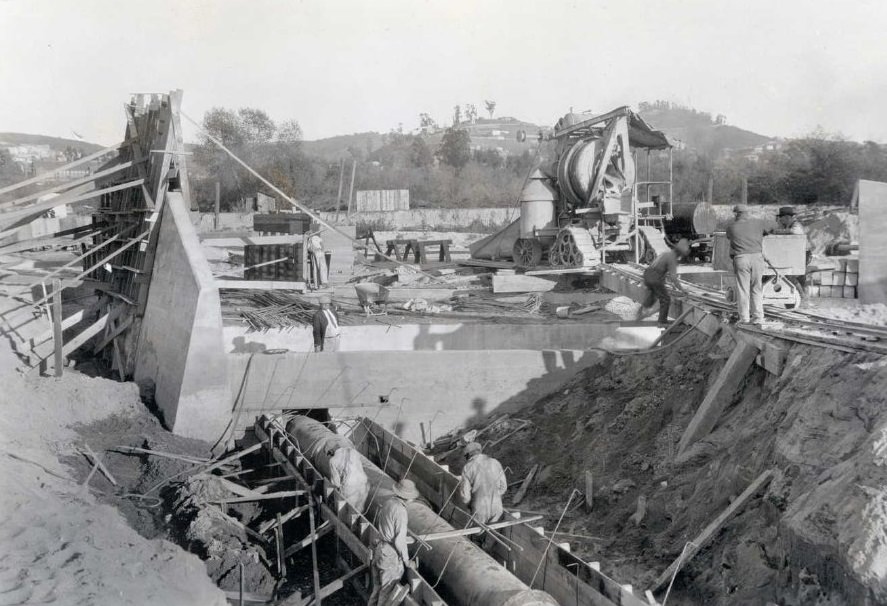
column 565, row 576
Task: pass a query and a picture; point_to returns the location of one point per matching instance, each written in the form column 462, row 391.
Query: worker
column 316, row 260
column 482, row 485
column 664, row 267
column 326, row 326
column 788, row 224
column 746, row 236
column 370, row 294
column 347, row 474
column 390, row 555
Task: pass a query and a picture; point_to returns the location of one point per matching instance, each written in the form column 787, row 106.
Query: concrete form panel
column 181, row 349
column 872, row 242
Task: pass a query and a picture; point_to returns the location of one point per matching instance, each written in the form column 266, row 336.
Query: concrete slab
column 872, row 244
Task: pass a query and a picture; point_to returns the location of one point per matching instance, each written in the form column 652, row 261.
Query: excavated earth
column 815, row 535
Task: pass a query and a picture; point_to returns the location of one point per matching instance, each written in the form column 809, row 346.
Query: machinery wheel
column 527, row 252
column 573, row 247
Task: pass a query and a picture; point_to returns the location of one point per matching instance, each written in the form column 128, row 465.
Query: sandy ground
column 58, row 543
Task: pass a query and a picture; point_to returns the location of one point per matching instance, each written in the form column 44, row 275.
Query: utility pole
column 341, row 183
column 711, row 189
column 59, row 357
column 218, row 206
column 744, row 195
column 351, row 189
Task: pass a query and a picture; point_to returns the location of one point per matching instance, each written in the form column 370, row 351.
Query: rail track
column 791, row 324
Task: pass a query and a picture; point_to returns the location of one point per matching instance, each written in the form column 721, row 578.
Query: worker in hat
column 746, row 236
column 317, row 277
column 369, row 295
column 482, row 485
column 390, row 556
column 663, row 268
column 788, row 224
column 326, row 326
column 347, row 474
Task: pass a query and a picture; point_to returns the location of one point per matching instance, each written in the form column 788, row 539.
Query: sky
column 780, row 68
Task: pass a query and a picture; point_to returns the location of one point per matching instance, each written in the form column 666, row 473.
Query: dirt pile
column 57, row 542
column 817, row 534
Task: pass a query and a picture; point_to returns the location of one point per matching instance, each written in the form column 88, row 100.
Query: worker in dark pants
column 326, row 326
column 788, row 224
column 662, row 269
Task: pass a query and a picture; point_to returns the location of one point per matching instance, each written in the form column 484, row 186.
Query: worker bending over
column 347, row 474
column 746, row 235
column 326, row 326
column 390, row 556
column 664, row 267
column 370, row 294
column 482, row 485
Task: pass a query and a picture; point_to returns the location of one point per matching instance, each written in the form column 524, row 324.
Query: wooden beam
column 718, row 396
column 59, row 360
column 67, row 185
column 508, row 283
column 703, row 538
column 293, row 513
column 43, row 242
column 106, row 340
column 32, row 212
column 69, row 166
column 260, row 285
column 285, row 494
column 462, row 532
column 321, row 531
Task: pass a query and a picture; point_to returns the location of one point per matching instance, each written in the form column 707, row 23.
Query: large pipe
column 468, row 576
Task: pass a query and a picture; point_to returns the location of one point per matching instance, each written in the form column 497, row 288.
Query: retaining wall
column 448, row 337
column 442, row 389
column 181, row 350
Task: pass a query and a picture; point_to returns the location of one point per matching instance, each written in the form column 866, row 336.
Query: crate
column 281, row 223
column 786, row 252
column 291, row 270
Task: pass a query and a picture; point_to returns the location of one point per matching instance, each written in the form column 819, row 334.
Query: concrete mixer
column 584, row 209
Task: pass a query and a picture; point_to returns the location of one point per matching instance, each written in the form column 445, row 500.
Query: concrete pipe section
column 468, row 575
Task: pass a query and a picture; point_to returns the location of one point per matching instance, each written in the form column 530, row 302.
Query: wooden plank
column 285, row 494
column 69, row 166
column 321, row 531
column 704, row 537
column 241, row 241
column 67, row 185
column 58, row 344
column 260, row 285
column 525, row 485
column 719, row 395
column 462, row 532
column 521, row 283
column 106, row 340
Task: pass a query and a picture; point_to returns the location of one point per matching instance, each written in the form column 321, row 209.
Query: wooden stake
column 278, row 535
column 59, row 359
column 525, row 485
column 98, row 462
column 589, row 491
column 341, row 183
column 712, row 529
column 317, row 597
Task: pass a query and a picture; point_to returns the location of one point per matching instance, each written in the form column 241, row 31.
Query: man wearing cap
column 326, row 326
column 664, row 267
column 482, row 485
column 746, row 235
column 789, row 224
column 390, row 556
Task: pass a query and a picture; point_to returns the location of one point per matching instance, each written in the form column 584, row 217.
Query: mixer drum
column 576, row 170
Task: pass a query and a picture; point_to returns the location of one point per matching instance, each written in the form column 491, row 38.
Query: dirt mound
column 816, row 535
column 57, row 543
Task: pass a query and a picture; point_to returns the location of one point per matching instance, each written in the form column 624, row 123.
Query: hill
column 697, row 130
column 55, row 143
column 333, row 148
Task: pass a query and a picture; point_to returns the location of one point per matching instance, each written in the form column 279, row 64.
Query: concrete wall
column 448, row 337
column 181, row 349
column 430, row 217
column 442, row 389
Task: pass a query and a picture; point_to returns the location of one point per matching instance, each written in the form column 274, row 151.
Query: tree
column 455, row 148
column 491, row 107
column 420, row 155
column 426, row 121
column 457, row 116
column 471, row 112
